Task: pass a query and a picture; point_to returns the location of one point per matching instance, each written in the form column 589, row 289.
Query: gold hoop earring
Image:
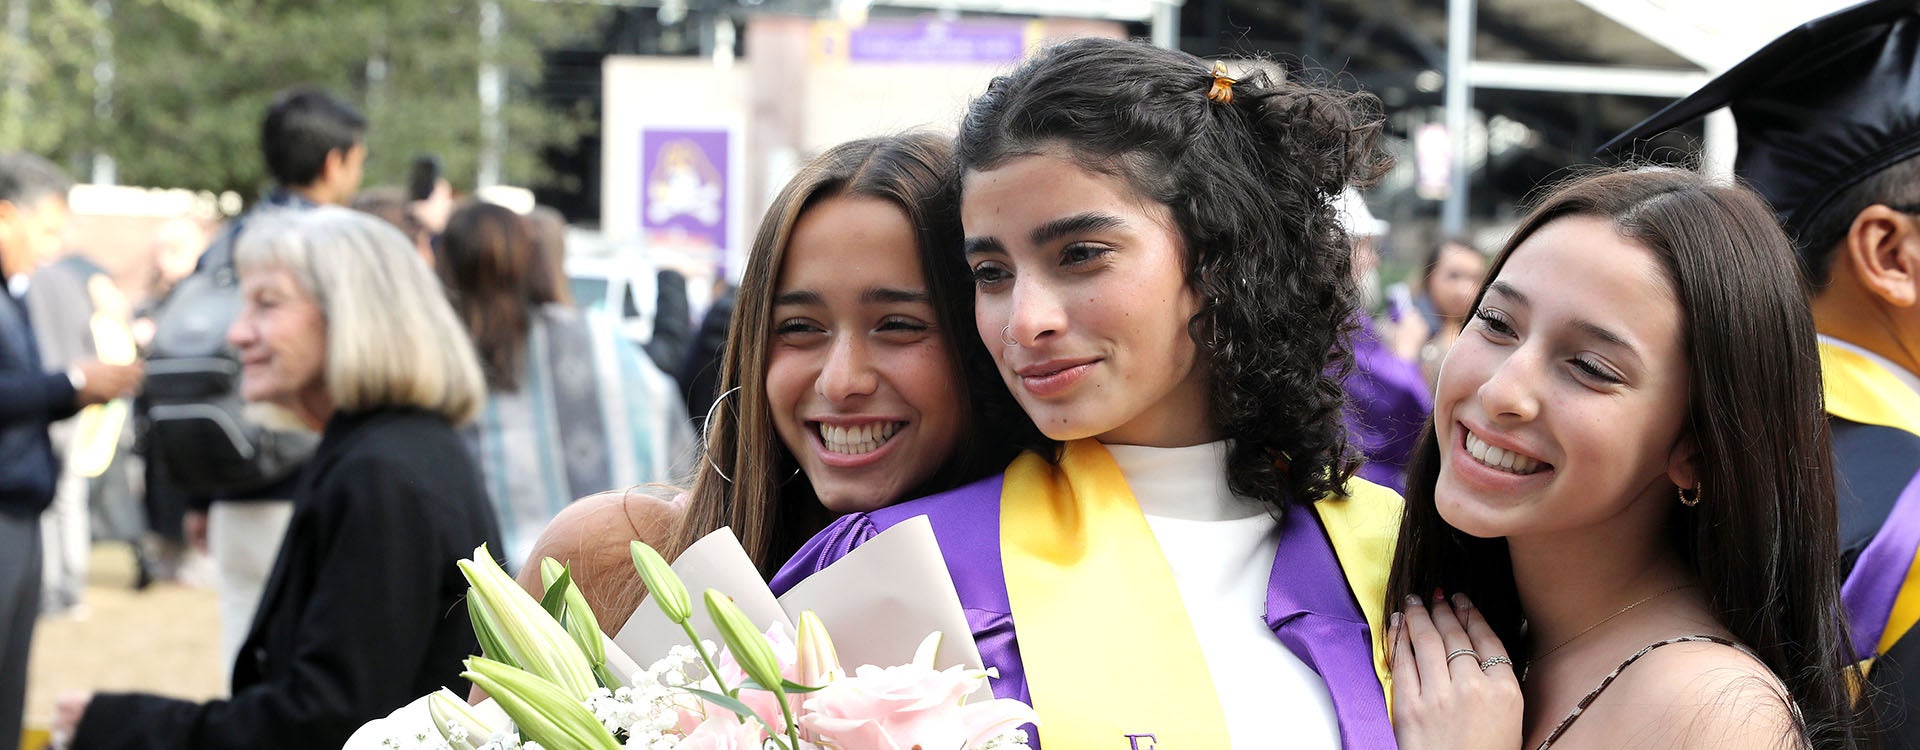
column 1688, row 497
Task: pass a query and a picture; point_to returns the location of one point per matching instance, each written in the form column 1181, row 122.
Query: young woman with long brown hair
column 1628, row 490
column 844, row 377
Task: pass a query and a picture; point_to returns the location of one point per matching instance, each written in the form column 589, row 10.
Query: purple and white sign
column 934, row 41
column 684, row 190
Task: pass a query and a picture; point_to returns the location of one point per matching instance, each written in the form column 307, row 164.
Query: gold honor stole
column 96, row 433
column 1104, row 636
column 1860, row 390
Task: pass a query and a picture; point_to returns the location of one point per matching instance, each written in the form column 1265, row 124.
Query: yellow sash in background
column 1859, row 390
column 96, row 431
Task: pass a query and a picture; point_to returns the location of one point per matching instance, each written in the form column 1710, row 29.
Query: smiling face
column 859, row 375
column 1087, row 280
column 1561, row 408
column 1454, row 280
column 281, row 335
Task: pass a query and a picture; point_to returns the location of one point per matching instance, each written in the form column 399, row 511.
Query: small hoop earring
column 1688, row 497
column 1006, row 336
column 707, row 427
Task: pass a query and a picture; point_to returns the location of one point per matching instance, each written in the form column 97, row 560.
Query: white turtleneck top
column 1221, row 549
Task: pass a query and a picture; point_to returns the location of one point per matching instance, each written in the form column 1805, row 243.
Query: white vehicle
column 620, row 280
column 621, row 288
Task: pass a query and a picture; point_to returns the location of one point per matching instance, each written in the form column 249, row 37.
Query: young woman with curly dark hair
column 1163, row 284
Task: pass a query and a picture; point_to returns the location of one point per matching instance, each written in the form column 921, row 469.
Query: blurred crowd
column 165, row 456
column 148, row 443
column 1170, row 385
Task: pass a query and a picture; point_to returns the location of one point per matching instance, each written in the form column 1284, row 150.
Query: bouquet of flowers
column 554, row 680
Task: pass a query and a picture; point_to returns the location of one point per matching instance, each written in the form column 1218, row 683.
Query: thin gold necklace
column 1590, row 628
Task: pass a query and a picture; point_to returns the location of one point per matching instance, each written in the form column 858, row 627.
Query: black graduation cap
column 1829, row 104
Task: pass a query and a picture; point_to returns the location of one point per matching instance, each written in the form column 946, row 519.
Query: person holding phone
column 429, row 194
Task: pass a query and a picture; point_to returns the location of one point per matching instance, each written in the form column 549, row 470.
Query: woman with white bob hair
column 342, row 326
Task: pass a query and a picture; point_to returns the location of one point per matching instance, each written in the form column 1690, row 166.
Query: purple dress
column 1309, row 607
column 1388, row 403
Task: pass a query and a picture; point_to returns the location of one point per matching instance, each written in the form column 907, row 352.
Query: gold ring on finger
column 1488, row 664
column 1459, row 652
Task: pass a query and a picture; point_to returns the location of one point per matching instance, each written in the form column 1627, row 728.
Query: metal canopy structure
column 1566, row 73
column 1573, row 72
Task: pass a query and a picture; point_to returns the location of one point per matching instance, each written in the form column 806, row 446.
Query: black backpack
column 195, row 423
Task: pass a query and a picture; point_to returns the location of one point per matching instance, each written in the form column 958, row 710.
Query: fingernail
column 1413, row 601
column 1393, row 622
column 1460, row 601
column 1438, row 594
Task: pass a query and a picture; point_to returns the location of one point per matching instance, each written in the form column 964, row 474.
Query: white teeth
column 1501, row 458
column 857, row 439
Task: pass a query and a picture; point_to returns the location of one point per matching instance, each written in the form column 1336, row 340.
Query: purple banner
column 936, row 41
column 684, row 192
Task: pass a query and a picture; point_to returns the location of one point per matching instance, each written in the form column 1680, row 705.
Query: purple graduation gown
column 1309, row 606
column 1387, row 404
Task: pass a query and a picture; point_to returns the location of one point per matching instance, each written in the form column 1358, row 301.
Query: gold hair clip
column 1222, row 90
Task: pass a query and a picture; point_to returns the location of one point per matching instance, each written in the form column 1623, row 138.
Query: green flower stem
column 793, row 730
column 712, row 670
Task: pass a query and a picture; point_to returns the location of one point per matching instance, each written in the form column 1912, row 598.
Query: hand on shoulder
column 1453, row 683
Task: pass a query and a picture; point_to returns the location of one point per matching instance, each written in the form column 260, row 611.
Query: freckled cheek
column 923, row 376
column 1461, row 375
column 986, row 327
column 1616, row 437
column 1106, row 315
column 1583, row 433
column 790, row 376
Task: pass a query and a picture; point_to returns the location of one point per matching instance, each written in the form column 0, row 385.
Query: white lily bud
column 533, row 638
column 817, row 663
column 929, row 648
column 450, row 712
column 749, row 646
column 662, row 583
column 541, row 710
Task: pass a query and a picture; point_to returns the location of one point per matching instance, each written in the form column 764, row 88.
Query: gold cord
column 1604, row 620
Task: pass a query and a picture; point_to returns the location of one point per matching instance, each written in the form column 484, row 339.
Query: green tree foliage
column 191, row 79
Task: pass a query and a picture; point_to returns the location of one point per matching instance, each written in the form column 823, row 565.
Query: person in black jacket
column 672, row 320
column 238, row 474
column 33, row 217
column 344, row 329
column 701, row 369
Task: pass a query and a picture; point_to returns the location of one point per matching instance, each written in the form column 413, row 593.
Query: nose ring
column 1006, row 336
